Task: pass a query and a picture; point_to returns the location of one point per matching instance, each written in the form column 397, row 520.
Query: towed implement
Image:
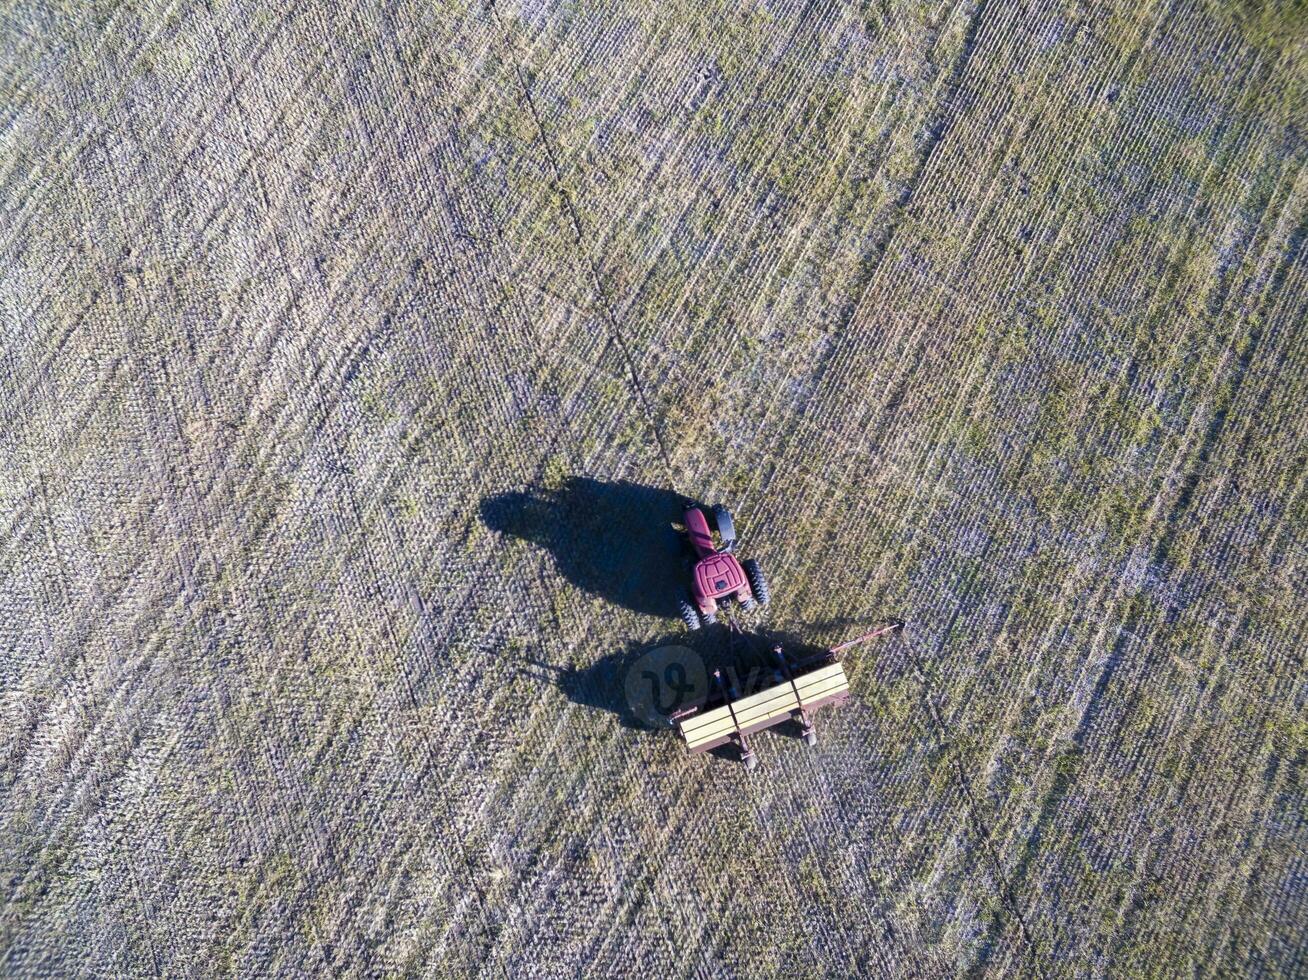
column 799, row 688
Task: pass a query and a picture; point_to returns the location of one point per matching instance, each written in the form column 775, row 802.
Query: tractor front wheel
column 689, row 615
column 757, row 583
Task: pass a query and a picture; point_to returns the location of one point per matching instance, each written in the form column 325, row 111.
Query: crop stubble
column 985, row 316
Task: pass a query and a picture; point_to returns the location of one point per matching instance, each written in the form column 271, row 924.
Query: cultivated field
column 333, row 514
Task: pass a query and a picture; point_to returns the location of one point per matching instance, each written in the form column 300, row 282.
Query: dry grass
column 984, row 315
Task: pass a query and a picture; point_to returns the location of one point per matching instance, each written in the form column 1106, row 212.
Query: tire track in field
column 374, row 576
column 976, row 814
column 980, row 826
column 41, row 371
column 1170, row 524
column 939, row 132
column 35, row 201
column 599, row 290
column 377, row 575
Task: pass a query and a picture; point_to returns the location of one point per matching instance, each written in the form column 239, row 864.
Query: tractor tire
column 757, row 583
column 689, row 615
column 710, row 619
column 749, row 604
column 726, row 526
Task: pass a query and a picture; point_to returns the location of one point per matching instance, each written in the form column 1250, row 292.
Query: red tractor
column 718, row 575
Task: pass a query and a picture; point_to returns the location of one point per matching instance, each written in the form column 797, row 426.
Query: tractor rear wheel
column 757, row 583
column 726, row 526
column 689, row 614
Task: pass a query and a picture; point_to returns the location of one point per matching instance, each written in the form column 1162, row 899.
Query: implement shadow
column 646, row 682
column 611, row 539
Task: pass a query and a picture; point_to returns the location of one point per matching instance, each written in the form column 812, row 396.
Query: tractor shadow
column 614, row 540
column 643, row 684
